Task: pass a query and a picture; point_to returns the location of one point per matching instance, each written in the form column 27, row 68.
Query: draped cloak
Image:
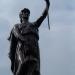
column 24, row 49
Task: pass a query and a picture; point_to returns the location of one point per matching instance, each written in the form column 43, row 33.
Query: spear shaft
column 48, row 21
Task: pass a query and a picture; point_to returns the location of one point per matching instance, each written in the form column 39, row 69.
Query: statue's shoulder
column 16, row 26
column 13, row 32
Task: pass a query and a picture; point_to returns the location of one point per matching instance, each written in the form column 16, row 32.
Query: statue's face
column 25, row 15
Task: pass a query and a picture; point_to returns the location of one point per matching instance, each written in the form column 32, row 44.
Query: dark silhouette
column 24, row 48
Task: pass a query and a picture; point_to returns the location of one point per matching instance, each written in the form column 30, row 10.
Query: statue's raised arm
column 44, row 14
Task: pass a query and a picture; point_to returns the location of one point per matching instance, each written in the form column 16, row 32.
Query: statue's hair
column 24, row 11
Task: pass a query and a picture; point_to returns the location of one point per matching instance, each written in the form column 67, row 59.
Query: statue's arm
column 13, row 43
column 43, row 16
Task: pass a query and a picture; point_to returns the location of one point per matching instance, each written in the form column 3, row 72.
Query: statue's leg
column 33, row 68
column 19, row 70
column 28, row 68
column 36, row 71
column 22, row 69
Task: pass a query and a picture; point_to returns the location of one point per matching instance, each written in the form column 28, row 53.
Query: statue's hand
column 47, row 2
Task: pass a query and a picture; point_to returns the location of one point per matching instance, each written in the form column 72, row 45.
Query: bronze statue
column 24, row 48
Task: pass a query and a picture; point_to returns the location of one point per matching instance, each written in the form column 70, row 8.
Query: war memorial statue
column 24, row 48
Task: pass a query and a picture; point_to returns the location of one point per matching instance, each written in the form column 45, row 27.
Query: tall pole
column 48, row 21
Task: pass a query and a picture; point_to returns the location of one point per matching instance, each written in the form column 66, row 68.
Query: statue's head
column 24, row 14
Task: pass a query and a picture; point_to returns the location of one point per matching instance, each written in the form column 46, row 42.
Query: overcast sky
column 57, row 46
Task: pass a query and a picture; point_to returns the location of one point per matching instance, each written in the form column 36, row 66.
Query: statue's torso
column 27, row 44
column 23, row 31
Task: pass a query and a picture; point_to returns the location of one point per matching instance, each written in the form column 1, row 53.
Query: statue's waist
column 32, row 32
column 30, row 36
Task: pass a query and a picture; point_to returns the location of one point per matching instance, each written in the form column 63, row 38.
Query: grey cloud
column 63, row 4
column 57, row 49
column 4, row 25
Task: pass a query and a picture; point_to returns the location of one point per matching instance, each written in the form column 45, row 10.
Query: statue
column 24, row 48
